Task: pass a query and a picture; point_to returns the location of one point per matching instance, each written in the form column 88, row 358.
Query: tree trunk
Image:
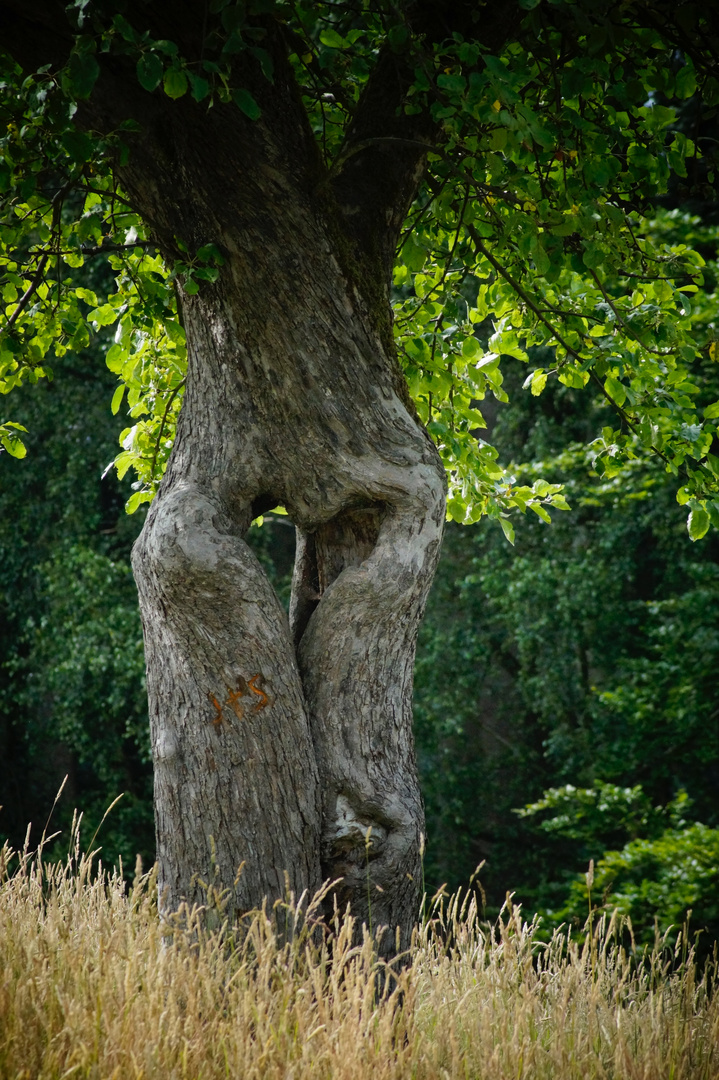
column 278, row 748
column 274, row 747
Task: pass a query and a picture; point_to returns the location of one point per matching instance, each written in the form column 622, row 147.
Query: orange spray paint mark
column 218, row 719
column 264, row 699
column 233, row 702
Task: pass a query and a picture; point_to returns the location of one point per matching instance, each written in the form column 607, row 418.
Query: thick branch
column 382, row 160
column 385, row 151
column 176, row 140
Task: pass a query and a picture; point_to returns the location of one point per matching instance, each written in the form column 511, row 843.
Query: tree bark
column 280, row 748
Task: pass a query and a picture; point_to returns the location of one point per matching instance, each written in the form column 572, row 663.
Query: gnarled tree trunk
column 279, row 746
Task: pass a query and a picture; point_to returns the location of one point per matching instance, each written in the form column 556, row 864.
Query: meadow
column 95, row 985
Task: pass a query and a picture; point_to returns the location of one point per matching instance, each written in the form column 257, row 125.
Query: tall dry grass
column 92, row 985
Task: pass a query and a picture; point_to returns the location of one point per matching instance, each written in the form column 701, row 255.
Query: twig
column 172, row 397
column 31, row 289
column 628, row 331
column 572, row 352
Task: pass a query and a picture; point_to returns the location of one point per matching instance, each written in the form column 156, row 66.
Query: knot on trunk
column 353, row 832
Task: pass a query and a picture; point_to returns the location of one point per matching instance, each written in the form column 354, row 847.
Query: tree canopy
column 547, row 133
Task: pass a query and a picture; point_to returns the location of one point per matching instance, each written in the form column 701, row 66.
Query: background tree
column 539, row 138
column 582, row 661
column 72, row 696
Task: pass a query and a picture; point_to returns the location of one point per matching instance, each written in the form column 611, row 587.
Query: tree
column 258, row 160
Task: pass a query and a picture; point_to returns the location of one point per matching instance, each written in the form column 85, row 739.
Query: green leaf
column 541, row 512
column 234, row 44
column 175, row 83
column 507, row 529
column 149, row 72
column 103, row 316
column 616, row 390
column 210, row 252
column 332, row 39
column 471, row 348
column 456, row 509
column 83, row 70
column 536, row 382
column 712, row 411
column 414, row 254
column 117, row 399
column 14, row 445
column 498, row 139
column 265, row 61
column 80, row 147
column 137, row 500
column 593, row 256
column 245, row 101
column 455, row 84
column 398, row 36
column 698, row 523
column 116, row 357
column 200, row 87
column 168, row 47
column 573, row 378
column 87, row 295
column 686, row 83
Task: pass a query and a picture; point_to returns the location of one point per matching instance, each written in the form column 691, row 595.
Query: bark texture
column 284, row 747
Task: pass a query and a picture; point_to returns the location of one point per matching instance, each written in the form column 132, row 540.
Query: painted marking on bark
column 265, row 701
column 232, row 699
column 218, row 719
column 232, row 696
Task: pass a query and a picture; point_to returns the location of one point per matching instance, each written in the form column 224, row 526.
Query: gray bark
column 293, row 406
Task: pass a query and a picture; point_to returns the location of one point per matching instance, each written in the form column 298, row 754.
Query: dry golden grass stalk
column 93, row 985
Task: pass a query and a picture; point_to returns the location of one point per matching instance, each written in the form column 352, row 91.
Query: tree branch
column 27, row 295
column 165, row 414
column 383, row 158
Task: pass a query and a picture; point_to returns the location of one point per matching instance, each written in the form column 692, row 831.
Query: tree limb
column 384, row 155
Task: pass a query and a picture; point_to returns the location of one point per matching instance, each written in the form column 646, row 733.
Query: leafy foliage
column 554, row 159
column 530, row 231
column 591, row 814
column 662, row 876
column 85, row 687
column 72, row 699
column 576, row 672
